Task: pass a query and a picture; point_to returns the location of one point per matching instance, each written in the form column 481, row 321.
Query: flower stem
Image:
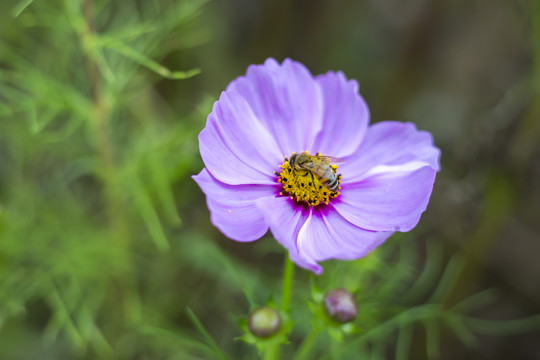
column 304, row 349
column 272, row 353
column 286, row 289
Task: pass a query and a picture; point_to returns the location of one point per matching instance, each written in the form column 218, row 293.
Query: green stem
column 286, row 289
column 272, row 353
column 306, row 346
column 99, row 116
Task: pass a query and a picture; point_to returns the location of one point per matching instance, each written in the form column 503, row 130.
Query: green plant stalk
column 286, row 288
column 305, row 348
column 272, row 353
column 99, row 118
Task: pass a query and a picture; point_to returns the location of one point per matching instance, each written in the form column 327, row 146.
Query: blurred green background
column 105, row 241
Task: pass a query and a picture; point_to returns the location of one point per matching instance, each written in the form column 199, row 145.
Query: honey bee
column 317, row 165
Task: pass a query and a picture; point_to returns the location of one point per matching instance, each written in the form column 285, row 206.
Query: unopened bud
column 264, row 321
column 340, row 306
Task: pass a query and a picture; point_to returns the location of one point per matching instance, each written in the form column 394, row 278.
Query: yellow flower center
column 309, row 178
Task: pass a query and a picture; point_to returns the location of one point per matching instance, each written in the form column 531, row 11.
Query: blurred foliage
column 90, row 155
column 106, row 250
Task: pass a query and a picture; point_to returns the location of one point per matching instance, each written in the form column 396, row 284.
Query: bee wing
column 332, row 160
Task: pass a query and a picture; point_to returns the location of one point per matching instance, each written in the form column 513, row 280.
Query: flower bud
column 264, row 321
column 340, row 306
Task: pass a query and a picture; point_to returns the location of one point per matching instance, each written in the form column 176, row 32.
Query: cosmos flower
column 291, row 153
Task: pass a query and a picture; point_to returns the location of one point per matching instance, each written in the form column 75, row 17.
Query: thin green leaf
column 476, row 301
column 406, row 317
column 461, row 330
column 20, row 7
column 89, row 330
column 143, row 60
column 148, row 213
column 160, row 182
column 448, row 279
column 176, row 338
column 401, row 274
column 220, row 265
column 206, row 335
column 404, row 340
column 130, row 32
column 505, row 327
column 432, row 338
column 428, row 276
column 378, row 350
column 62, row 320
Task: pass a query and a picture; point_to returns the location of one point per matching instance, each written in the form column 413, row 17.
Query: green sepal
column 316, row 294
column 270, row 301
column 321, row 321
column 262, row 344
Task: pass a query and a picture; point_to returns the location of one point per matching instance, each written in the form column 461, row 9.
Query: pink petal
column 233, row 208
column 235, row 147
column 390, row 143
column 286, row 218
column 388, row 201
column 346, row 116
column 327, row 235
column 287, row 101
column 387, row 183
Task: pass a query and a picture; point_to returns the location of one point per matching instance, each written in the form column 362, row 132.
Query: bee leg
column 312, row 178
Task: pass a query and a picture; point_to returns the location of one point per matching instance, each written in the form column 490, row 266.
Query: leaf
column 143, row 60
column 461, row 330
column 476, row 301
column 504, row 327
column 62, row 320
column 207, row 337
column 148, row 212
column 20, row 7
column 428, row 276
column 400, row 275
column 448, row 279
column 160, row 182
column 404, row 340
column 164, row 335
column 432, row 338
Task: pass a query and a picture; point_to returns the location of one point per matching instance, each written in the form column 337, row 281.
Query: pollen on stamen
column 309, row 181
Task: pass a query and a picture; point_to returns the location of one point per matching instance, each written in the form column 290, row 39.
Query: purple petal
column 346, row 116
column 235, row 147
column 387, row 184
column 327, row 235
column 286, row 99
column 387, row 201
column 286, row 218
column 233, row 208
column 390, row 143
